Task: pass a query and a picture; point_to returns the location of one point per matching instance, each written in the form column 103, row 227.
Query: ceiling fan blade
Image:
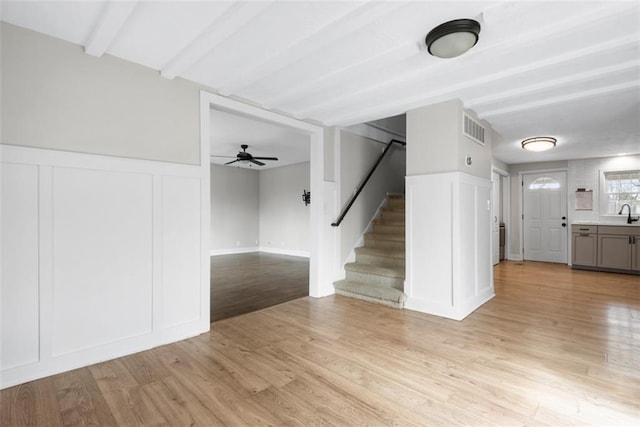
column 232, row 161
column 256, row 162
column 265, row 158
column 230, row 157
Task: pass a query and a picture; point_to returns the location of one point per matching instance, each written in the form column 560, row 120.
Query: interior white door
column 495, row 218
column 545, row 216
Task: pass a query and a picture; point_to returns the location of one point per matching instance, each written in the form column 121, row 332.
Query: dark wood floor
column 242, row 283
column 554, row 347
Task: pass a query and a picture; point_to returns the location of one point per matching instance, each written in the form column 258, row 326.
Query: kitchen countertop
column 621, row 223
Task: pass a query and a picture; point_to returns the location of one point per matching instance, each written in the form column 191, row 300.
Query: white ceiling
column 569, row 69
column 229, row 131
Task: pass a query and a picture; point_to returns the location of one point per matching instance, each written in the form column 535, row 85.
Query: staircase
column 378, row 273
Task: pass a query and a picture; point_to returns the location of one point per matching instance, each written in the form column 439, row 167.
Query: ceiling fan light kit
column 453, row 38
column 243, row 156
column 539, row 143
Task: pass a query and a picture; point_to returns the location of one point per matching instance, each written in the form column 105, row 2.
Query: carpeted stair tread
column 388, row 228
column 379, row 271
column 373, row 269
column 389, row 221
column 381, row 252
column 385, row 236
column 371, row 292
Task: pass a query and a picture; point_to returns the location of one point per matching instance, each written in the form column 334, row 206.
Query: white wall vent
column 472, row 129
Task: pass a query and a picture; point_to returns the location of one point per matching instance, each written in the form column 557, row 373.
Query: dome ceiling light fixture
column 453, row 38
column 539, row 143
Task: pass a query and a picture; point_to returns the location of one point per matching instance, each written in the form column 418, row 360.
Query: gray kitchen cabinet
column 615, row 251
column 584, row 240
column 617, row 247
column 604, row 247
column 635, row 252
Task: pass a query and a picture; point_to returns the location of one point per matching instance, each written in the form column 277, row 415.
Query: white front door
column 495, row 218
column 545, row 216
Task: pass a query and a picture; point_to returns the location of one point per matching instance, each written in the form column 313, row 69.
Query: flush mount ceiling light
column 453, row 38
column 539, row 143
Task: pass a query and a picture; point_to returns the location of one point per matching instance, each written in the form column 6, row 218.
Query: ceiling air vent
column 472, row 129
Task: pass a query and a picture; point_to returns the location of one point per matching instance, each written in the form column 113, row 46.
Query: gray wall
column 284, row 218
column 55, row 96
column 358, row 155
column 235, row 206
column 251, row 209
column 436, row 143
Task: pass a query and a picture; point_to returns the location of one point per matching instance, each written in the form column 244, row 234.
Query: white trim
column 506, row 207
column 602, row 195
column 290, row 252
column 320, row 274
column 251, row 249
column 233, row 251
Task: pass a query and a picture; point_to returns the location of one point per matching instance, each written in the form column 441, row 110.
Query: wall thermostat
column 468, row 161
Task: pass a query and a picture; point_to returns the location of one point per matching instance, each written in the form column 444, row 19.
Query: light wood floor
column 554, row 347
column 242, row 283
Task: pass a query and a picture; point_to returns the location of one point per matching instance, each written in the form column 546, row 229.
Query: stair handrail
column 364, row 182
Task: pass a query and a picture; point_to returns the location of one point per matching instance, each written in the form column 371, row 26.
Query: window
column 544, row 183
column 621, row 187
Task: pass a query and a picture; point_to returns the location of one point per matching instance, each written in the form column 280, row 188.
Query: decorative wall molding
column 117, row 253
column 449, row 271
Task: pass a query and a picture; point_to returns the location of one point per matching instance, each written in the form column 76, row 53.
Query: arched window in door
column 544, row 183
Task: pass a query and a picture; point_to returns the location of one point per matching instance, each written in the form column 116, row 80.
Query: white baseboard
column 447, row 310
column 231, row 251
column 514, row 257
column 303, row 254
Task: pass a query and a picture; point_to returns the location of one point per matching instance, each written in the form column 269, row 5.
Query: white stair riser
column 391, row 282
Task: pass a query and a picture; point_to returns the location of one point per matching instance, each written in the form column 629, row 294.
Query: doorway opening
column 260, row 231
column 314, row 135
column 500, row 211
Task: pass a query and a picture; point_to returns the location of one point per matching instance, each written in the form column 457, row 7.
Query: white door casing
column 545, row 224
column 495, row 218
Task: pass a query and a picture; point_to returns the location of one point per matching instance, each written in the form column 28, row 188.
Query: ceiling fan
column 243, row 156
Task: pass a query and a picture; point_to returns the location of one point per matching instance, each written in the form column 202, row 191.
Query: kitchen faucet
column 629, row 219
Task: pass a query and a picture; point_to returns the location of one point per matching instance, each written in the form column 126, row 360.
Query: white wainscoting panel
column 464, row 262
column 181, row 240
column 484, row 276
column 19, row 292
column 429, row 246
column 101, row 257
column 102, row 245
column 449, row 270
